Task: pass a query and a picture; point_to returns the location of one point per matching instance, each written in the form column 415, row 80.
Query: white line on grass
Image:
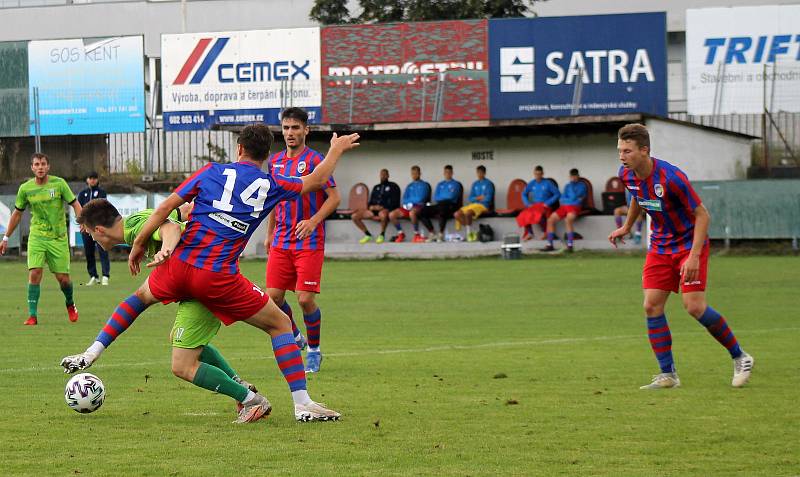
column 430, row 349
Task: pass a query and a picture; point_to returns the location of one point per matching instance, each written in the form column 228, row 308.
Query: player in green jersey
column 48, row 241
column 194, row 358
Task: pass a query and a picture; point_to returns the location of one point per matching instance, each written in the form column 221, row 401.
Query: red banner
column 405, row 72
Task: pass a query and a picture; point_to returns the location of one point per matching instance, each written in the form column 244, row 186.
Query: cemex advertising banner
column 581, row 65
column 405, row 72
column 87, row 86
column 730, row 52
column 239, row 77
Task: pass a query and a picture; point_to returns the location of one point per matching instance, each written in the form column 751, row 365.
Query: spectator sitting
column 416, row 195
column 90, row 193
column 384, row 197
column 571, row 204
column 480, row 201
column 539, row 196
column 619, row 217
column 447, row 197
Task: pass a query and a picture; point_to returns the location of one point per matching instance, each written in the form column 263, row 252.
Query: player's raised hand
column 160, row 257
column 618, row 234
column 135, row 258
column 346, row 142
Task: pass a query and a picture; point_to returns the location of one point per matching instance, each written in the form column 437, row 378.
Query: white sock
column 96, row 349
column 301, row 397
column 313, row 350
column 249, row 398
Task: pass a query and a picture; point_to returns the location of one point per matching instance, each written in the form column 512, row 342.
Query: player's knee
column 181, row 371
column 694, row 308
column 653, row 309
column 307, row 302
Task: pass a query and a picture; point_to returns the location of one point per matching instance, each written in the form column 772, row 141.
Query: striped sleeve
column 190, row 187
column 330, row 183
column 288, row 187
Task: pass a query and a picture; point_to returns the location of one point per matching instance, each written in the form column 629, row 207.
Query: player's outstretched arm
column 13, row 221
column 170, row 233
column 339, row 145
column 158, row 217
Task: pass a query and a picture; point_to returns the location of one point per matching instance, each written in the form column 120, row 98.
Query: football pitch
column 457, row 367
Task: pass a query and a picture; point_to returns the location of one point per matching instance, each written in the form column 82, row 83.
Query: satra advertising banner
column 239, row 77
column 86, row 86
column 582, row 65
column 742, row 60
column 405, row 72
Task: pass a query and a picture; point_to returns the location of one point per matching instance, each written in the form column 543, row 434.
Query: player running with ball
column 230, row 201
column 678, row 255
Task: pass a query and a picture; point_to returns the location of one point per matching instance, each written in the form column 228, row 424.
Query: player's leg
column 425, row 217
column 105, row 265
column 468, row 218
column 308, row 264
column 413, row 216
column 57, row 257
column 569, row 222
column 358, row 218
column 524, row 221
column 34, row 292
column 550, row 229
column 91, row 264
column 444, row 215
column 660, row 337
column 394, row 219
column 694, row 301
column 281, row 276
column 383, row 218
column 619, row 215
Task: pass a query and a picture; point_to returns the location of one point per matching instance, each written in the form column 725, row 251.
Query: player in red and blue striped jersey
column 230, row 201
column 678, row 254
column 296, row 234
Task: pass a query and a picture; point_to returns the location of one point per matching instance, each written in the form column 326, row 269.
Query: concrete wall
column 702, row 153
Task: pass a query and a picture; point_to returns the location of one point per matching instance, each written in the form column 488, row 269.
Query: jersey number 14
column 254, row 195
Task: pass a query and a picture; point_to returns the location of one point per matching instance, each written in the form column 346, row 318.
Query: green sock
column 214, row 379
column 67, row 291
column 33, row 298
column 212, row 356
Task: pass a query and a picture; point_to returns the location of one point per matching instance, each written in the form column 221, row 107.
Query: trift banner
column 403, row 72
column 239, row 77
column 727, row 50
column 87, row 86
column 581, row 65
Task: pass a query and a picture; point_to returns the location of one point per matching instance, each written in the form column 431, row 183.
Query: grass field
column 481, row 367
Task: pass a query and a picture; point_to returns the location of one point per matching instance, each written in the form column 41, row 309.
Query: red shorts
column 663, row 272
column 294, row 270
column 407, row 212
column 562, row 211
column 230, row 298
column 534, row 214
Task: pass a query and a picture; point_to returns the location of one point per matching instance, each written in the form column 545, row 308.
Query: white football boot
column 664, row 381
column 742, row 366
column 314, row 411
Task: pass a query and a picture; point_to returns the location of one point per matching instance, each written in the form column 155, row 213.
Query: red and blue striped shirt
column 670, row 200
column 230, row 201
column 289, row 213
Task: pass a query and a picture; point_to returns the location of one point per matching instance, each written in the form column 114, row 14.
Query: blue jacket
column 485, row 188
column 574, row 193
column 448, row 191
column 417, row 193
column 543, row 191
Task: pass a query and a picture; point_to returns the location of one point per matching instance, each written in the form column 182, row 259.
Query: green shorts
column 54, row 252
column 194, row 326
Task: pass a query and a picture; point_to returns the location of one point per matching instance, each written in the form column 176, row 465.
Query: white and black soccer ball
column 85, row 393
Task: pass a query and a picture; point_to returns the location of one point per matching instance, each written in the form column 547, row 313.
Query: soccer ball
column 85, row 393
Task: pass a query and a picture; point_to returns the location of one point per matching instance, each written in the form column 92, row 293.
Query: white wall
column 702, row 154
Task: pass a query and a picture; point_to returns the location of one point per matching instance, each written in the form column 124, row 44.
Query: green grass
column 413, row 351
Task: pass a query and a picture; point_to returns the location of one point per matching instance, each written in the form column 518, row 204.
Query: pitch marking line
column 430, row 349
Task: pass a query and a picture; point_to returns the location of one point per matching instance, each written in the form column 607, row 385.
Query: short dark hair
column 635, row 132
column 40, row 155
column 257, row 141
column 415, row 168
column 448, row 167
column 538, row 169
column 481, row 168
column 295, row 113
column 574, row 172
column 98, row 212
column 92, row 175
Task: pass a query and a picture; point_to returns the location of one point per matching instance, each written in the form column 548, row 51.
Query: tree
column 330, row 12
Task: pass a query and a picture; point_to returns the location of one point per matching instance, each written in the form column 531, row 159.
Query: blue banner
column 204, row 119
column 87, row 86
column 582, row 65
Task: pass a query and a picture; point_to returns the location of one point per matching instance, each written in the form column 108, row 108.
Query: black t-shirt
column 90, row 193
column 386, row 194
